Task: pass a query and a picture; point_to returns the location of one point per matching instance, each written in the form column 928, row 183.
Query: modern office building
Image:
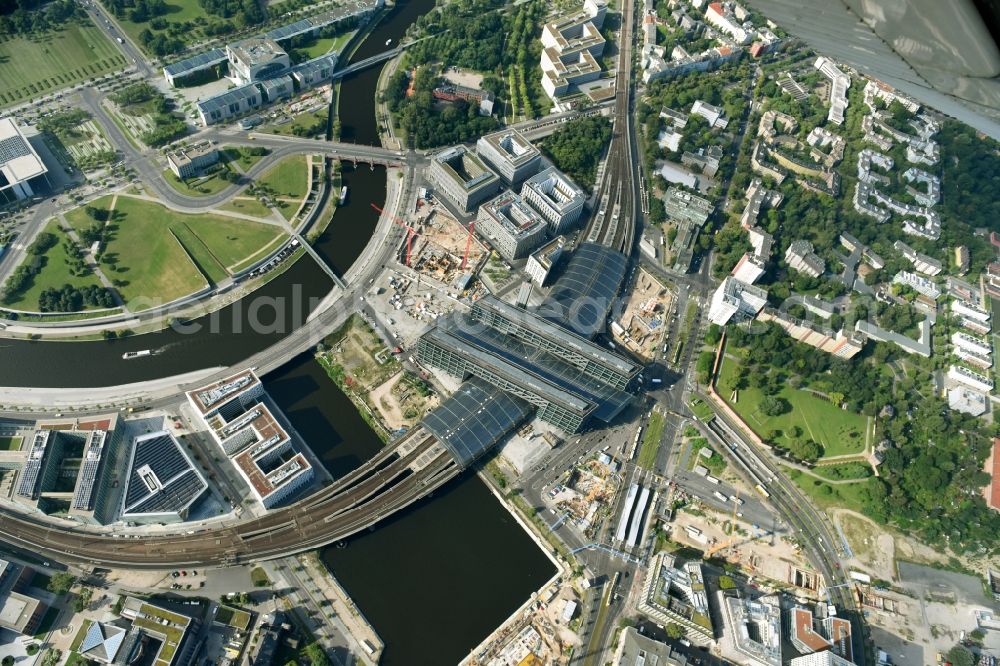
column 157, row 636
column 276, row 88
column 162, row 482
column 227, row 397
column 189, row 161
column 19, row 163
column 755, row 628
column 511, row 226
column 839, row 84
column 635, row 649
column 462, row 177
column 676, row 594
column 102, row 642
column 556, row 198
column 825, row 658
column 804, row 636
column 567, row 378
column 256, row 59
column 19, row 612
column 508, row 153
column 234, row 102
column 736, row 299
column 544, row 259
column 571, row 46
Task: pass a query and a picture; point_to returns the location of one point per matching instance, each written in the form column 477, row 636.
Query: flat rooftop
column 208, row 398
column 516, row 217
column 804, row 632
column 265, row 483
column 158, row 622
column 512, row 145
column 464, row 168
column 18, row 160
column 256, row 50
column 16, row 610
column 161, row 477
column 187, row 154
column 556, row 188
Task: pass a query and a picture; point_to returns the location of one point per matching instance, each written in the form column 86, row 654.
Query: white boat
column 388, row 41
column 343, row 195
column 136, row 354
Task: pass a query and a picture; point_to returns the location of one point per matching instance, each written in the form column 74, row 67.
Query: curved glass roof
column 583, row 295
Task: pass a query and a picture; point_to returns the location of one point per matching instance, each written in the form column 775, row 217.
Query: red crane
column 410, row 232
column 468, row 244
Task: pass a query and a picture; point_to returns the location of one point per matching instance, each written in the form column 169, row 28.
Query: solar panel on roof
column 195, row 63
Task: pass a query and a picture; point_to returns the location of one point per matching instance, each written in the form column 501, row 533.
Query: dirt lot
column 644, row 321
column 366, row 361
column 402, row 400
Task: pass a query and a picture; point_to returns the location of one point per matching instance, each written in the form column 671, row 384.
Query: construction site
column 646, row 316
column 586, row 493
column 436, row 246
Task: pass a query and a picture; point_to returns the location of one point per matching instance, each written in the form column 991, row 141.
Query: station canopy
column 582, row 297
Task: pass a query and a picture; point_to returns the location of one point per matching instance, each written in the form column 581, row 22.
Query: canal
column 434, row 579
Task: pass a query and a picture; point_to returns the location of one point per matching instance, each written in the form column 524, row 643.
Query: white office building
column 508, row 153
column 556, row 198
column 735, row 299
column 19, row 163
column 462, row 177
column 255, row 59
column 511, row 226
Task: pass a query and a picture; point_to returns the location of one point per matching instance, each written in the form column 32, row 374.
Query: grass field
column 242, row 158
column 54, row 274
column 839, row 432
column 32, row 67
column 170, row 254
column 246, row 207
column 288, row 182
column 827, row 495
column 78, row 218
column 651, row 440
column 10, row 443
column 303, row 120
column 201, row 186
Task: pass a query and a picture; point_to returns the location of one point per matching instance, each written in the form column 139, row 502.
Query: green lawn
column 701, row 409
column 202, row 186
column 246, row 207
column 839, row 432
column 240, row 156
column 827, row 495
column 715, row 464
column 323, row 45
column 170, row 254
column 79, row 219
column 651, row 440
column 288, row 178
column 303, row 120
column 32, row 67
column 259, row 577
column 10, row 443
column 54, row 274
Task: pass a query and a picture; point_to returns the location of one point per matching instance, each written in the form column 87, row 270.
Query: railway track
column 614, row 222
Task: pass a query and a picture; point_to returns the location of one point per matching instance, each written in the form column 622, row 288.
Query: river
column 434, row 579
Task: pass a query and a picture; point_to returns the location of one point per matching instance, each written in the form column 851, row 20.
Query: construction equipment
column 731, row 540
column 468, row 244
column 411, row 233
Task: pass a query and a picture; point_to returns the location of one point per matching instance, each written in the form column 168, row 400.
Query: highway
column 399, row 475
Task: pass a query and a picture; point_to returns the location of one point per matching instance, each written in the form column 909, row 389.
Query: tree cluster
column 72, row 299
column 23, row 17
column 243, row 12
column 577, row 147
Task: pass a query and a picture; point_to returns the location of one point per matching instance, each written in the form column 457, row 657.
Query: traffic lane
column 752, row 509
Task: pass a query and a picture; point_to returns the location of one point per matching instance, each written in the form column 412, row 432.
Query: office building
column 227, row 397
column 544, row 259
column 19, row 163
column 682, row 206
column 735, row 300
column 825, row 658
column 462, row 177
column 555, row 197
column 571, row 46
column 190, row 161
column 102, row 642
column 229, row 104
column 452, row 92
column 162, row 483
column 713, row 114
column 754, row 626
column 256, row 59
column 800, row 257
column 675, row 594
column 839, row 84
column 510, row 155
column 161, row 637
column 19, row 612
column 634, row 649
column 804, row 636
column 511, row 226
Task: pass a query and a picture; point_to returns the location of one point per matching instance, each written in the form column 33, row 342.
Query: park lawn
column 288, row 178
column 10, row 443
column 323, row 45
column 199, row 253
column 54, row 274
column 827, row 495
column 178, row 11
column 303, row 120
column 260, row 254
column 251, row 207
column 59, row 58
column 202, row 186
column 229, row 240
column 701, row 409
column 819, row 419
column 238, row 155
column 153, row 263
column 78, row 218
column 651, row 440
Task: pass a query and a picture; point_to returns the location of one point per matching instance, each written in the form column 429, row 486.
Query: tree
column 314, row 653
column 961, row 656
column 726, row 583
column 60, row 582
column 774, row 406
column 675, row 630
column 8, row 661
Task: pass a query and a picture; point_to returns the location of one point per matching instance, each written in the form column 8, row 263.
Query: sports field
column 840, row 432
column 38, row 66
column 54, row 274
column 167, row 254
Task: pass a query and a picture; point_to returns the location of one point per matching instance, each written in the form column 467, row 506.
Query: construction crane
column 410, row 232
column 468, row 244
column 731, row 540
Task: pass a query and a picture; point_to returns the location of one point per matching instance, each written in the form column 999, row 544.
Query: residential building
column 836, row 343
column 970, row 311
column 992, row 495
column 656, row 66
column 735, row 299
column 804, row 636
column 962, row 259
column 825, row 658
column 757, row 197
column 682, row 206
column 921, row 262
column 800, row 257
column 462, row 177
column 510, row 155
column 963, row 375
column 749, row 268
column 838, row 630
column 256, row 59
column 556, row 198
column 634, row 649
column 839, row 84
column 705, row 160
column 571, row 46
column 722, row 16
column 511, row 226
column 189, row 161
column 544, row 259
column 713, row 114
column 19, row 163
column 971, row 343
column 232, row 395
